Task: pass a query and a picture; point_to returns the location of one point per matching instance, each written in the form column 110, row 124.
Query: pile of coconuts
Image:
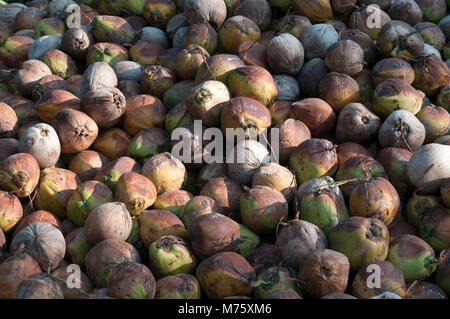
column 359, row 91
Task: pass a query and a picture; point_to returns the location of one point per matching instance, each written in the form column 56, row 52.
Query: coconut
column 156, row 223
column 181, row 286
column 143, row 111
column 413, row 256
column 434, row 227
column 385, row 205
column 19, row 173
column 8, row 147
column 131, row 280
column 173, row 201
column 11, row 211
column 177, row 41
column 279, row 110
column 168, row 58
column 157, row 167
column 346, row 57
column 9, row 123
column 105, row 256
column 188, row 145
column 225, row 192
column 14, row 50
column 433, row 11
column 13, row 271
column 98, row 75
column 47, row 84
column 273, row 280
column 399, row 34
column 210, row 171
column 106, row 52
column 402, row 129
column 287, row 86
column 59, row 63
column 285, row 54
column 292, row 133
column 112, row 29
column 317, row 39
column 359, row 167
column 55, row 188
column 108, row 221
column 277, row 177
column 445, row 192
column 156, row 80
column 135, row 191
column 294, row 24
column 370, row 240
column 259, row 11
column 148, row 142
column 158, row 13
column 320, row 204
column 175, row 23
column 43, row 241
column 86, row 164
column 425, row 290
column 366, row 88
column 212, row 233
column 37, row 217
column 264, row 257
column 262, row 208
column 297, row 239
column 443, row 25
column 396, row 94
column 197, row 206
column 428, row 167
column 31, row 72
column 9, row 12
column 306, row 111
column 348, row 150
column 65, row 272
column 431, row 34
column 246, row 157
column 401, row 228
column 313, row 158
column 249, row 81
column 177, row 94
column 338, row 90
column 418, row 203
column 431, row 74
column 323, row 272
column 202, row 34
column 395, row 161
column 44, row 44
column 54, row 101
column 392, row 68
column 391, row 280
column 129, row 88
column 442, row 270
column 76, row 130
column 225, row 274
column 316, row 11
column 205, row 101
column 170, row 255
column 128, row 71
column 41, row 141
column 248, row 241
column 75, row 42
column 218, row 67
column 86, row 198
column 361, row 19
column 443, row 97
column 189, row 60
column 111, row 172
column 253, row 53
column 113, row 143
column 244, row 113
column 38, row 286
column 77, row 246
column 436, row 121
column 49, row 26
column 214, row 12
column 105, row 106
column 357, row 124
column 405, row 10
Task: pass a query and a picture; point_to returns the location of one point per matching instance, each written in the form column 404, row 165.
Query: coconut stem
column 340, row 183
